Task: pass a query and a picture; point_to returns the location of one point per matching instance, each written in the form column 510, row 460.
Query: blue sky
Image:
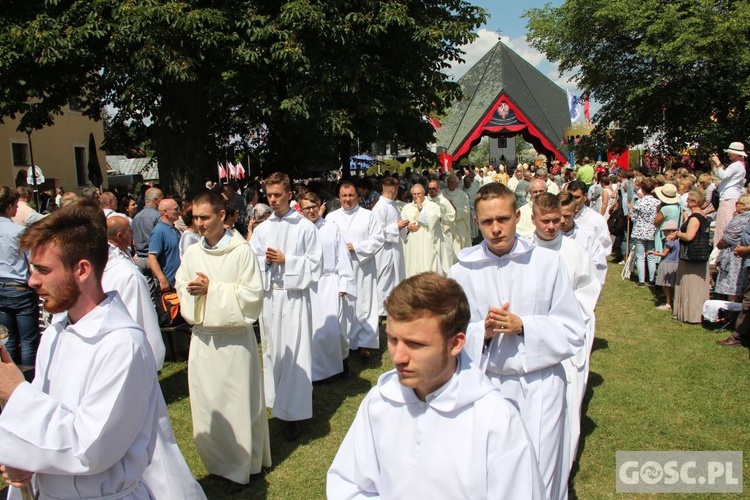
column 505, row 22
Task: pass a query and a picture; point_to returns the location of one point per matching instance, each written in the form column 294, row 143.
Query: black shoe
column 640, row 284
column 235, row 488
column 293, row 430
column 345, row 373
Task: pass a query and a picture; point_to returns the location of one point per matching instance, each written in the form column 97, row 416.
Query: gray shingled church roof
column 502, row 71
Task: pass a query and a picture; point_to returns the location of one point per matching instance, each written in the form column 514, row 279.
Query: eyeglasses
column 311, row 208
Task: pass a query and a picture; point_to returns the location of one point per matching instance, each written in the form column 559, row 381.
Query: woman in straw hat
column 731, row 186
column 670, row 210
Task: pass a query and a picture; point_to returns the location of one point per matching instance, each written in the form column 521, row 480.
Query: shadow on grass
column 588, row 426
column 175, row 386
column 328, row 396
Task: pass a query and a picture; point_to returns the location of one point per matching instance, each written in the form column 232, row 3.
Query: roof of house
column 502, row 71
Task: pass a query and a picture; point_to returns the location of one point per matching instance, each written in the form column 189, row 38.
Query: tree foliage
column 680, row 69
column 197, row 75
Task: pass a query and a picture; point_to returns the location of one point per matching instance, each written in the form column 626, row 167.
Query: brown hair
column 78, row 230
column 390, row 182
column 698, row 195
column 309, row 196
column 566, row 198
column 279, row 178
column 8, row 197
column 648, row 184
column 211, row 198
column 546, row 203
column 424, row 295
column 495, row 190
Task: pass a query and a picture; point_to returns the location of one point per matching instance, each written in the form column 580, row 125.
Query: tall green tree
column 314, row 74
column 678, row 69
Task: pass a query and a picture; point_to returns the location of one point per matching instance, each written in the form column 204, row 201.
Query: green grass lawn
column 655, row 384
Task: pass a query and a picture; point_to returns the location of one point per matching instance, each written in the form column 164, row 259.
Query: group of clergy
column 556, row 296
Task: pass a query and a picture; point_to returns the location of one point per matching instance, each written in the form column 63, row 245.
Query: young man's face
column 547, row 224
column 51, row 280
column 567, row 217
column 424, row 360
column 208, row 223
column 278, row 198
column 348, row 197
column 580, row 199
column 310, row 210
column 497, row 221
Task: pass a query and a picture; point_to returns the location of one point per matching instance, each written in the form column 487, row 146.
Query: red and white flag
column 240, row 171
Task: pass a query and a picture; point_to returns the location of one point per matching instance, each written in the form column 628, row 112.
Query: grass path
column 655, row 384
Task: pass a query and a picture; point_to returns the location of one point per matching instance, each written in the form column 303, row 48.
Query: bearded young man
column 524, row 323
column 92, row 424
column 435, row 424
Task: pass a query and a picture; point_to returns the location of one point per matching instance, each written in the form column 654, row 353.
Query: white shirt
column 464, row 441
column 732, row 180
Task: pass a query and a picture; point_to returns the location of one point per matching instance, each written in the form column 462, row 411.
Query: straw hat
column 667, row 193
column 736, row 148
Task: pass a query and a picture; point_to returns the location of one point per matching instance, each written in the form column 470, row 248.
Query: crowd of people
column 486, row 283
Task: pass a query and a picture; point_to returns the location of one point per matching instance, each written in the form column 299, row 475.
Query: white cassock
column 447, row 220
column 123, row 276
column 552, row 187
column 331, row 314
column 286, row 326
column 525, row 226
column 471, row 192
column 89, row 422
column 512, row 183
column 527, row 368
column 588, row 240
column 586, row 287
column 462, row 226
column 594, row 221
column 390, row 258
column 422, row 248
column 230, row 426
column 362, row 229
column 464, row 441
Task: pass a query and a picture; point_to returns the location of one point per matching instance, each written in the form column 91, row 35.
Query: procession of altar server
column 320, row 287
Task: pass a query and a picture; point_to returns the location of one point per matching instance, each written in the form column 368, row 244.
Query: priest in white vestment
column 124, row 277
column 589, row 218
column 332, row 297
column 390, row 258
column 364, row 236
column 434, row 427
column 524, row 323
column 290, row 254
column 89, row 425
column 447, row 221
column 422, row 248
column 221, row 295
column 525, row 226
column 470, row 188
column 583, row 236
column 586, row 286
column 462, row 226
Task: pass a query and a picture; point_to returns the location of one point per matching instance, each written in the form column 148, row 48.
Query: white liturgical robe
column 525, row 226
column 462, row 226
column 422, row 248
column 230, row 426
column 123, row 276
column 361, row 228
column 586, row 287
column 594, row 221
column 471, row 192
column 588, row 240
column 331, row 314
column 89, row 422
column 447, row 220
column 286, row 329
column 390, row 258
column 464, row 441
column 527, row 368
